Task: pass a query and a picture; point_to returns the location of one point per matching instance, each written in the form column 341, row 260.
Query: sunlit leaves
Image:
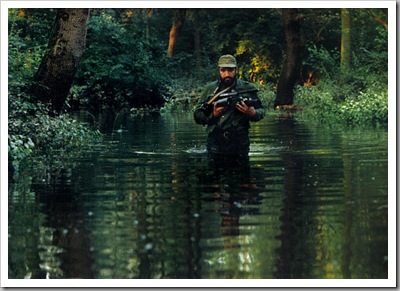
column 367, row 108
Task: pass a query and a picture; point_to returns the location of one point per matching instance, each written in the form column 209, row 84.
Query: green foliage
column 369, row 41
column 358, row 96
column 31, row 131
column 33, row 25
column 322, row 61
column 27, row 43
column 249, row 34
column 267, row 95
column 185, row 94
column 372, row 57
column 23, row 62
column 19, row 148
column 369, row 108
column 118, row 67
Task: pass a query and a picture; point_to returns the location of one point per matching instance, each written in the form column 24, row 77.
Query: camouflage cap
column 227, row 61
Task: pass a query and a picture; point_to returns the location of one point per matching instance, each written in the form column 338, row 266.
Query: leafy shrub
column 365, row 108
column 19, row 148
column 267, row 95
column 371, row 58
column 183, row 94
column 31, row 131
column 323, row 61
column 118, row 68
column 370, row 107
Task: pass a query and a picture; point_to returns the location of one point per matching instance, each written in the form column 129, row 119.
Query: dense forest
column 329, row 65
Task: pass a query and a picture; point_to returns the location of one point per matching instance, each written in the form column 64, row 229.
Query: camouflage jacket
column 232, row 119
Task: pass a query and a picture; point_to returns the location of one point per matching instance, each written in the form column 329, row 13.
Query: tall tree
column 345, row 50
column 292, row 63
column 149, row 13
column 177, row 22
column 197, row 39
column 57, row 69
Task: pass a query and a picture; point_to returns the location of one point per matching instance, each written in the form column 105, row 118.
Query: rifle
column 226, row 98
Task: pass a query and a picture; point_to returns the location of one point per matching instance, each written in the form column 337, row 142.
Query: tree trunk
column 177, row 22
column 291, row 68
column 149, row 13
column 345, row 49
column 197, row 41
column 56, row 72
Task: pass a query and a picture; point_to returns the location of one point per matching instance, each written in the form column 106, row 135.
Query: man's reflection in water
column 234, row 189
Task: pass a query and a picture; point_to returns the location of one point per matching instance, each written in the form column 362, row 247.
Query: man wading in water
column 227, row 106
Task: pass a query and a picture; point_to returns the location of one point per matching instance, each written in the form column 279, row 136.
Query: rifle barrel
column 237, row 93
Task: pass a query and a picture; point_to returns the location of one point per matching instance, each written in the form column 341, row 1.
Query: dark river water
column 311, row 203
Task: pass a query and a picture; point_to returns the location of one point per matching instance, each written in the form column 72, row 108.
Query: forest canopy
column 145, row 57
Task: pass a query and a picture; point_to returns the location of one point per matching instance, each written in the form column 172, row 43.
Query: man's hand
column 242, row 107
column 218, row 111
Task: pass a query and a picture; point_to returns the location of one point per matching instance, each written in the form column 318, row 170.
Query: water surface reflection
column 149, row 203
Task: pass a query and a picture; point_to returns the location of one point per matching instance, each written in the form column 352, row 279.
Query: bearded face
column 227, row 75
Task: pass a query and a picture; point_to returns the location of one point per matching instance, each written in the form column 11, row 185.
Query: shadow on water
column 299, row 206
